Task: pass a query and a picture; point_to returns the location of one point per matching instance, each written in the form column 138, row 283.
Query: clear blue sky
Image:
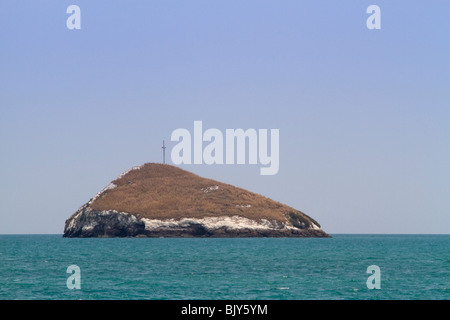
column 364, row 115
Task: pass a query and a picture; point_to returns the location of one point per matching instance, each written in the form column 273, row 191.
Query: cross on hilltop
column 164, row 151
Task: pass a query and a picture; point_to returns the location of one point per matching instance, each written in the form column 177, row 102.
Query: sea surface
column 411, row 267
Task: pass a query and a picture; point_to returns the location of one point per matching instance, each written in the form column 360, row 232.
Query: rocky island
column 160, row 200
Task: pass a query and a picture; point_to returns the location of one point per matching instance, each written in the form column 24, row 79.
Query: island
column 161, row 200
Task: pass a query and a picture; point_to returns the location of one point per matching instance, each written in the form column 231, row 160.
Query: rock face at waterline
column 160, row 200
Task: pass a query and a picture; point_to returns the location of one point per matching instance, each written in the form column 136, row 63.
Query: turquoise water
column 411, row 267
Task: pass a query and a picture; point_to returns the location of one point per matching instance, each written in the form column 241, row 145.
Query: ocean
column 410, row 267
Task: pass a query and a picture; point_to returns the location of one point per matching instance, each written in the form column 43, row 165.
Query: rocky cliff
column 158, row 200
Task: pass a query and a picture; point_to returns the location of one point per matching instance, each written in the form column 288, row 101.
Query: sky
column 363, row 115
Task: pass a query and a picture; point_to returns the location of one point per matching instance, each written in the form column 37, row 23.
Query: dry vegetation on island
column 161, row 191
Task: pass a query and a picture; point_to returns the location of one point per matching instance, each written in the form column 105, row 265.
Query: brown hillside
column 160, row 191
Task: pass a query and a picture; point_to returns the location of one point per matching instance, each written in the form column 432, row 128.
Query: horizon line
column 330, row 233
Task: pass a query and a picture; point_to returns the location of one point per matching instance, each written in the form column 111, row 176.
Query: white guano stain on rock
column 209, row 189
column 212, row 223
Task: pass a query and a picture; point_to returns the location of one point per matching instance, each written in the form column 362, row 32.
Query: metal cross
column 164, row 152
